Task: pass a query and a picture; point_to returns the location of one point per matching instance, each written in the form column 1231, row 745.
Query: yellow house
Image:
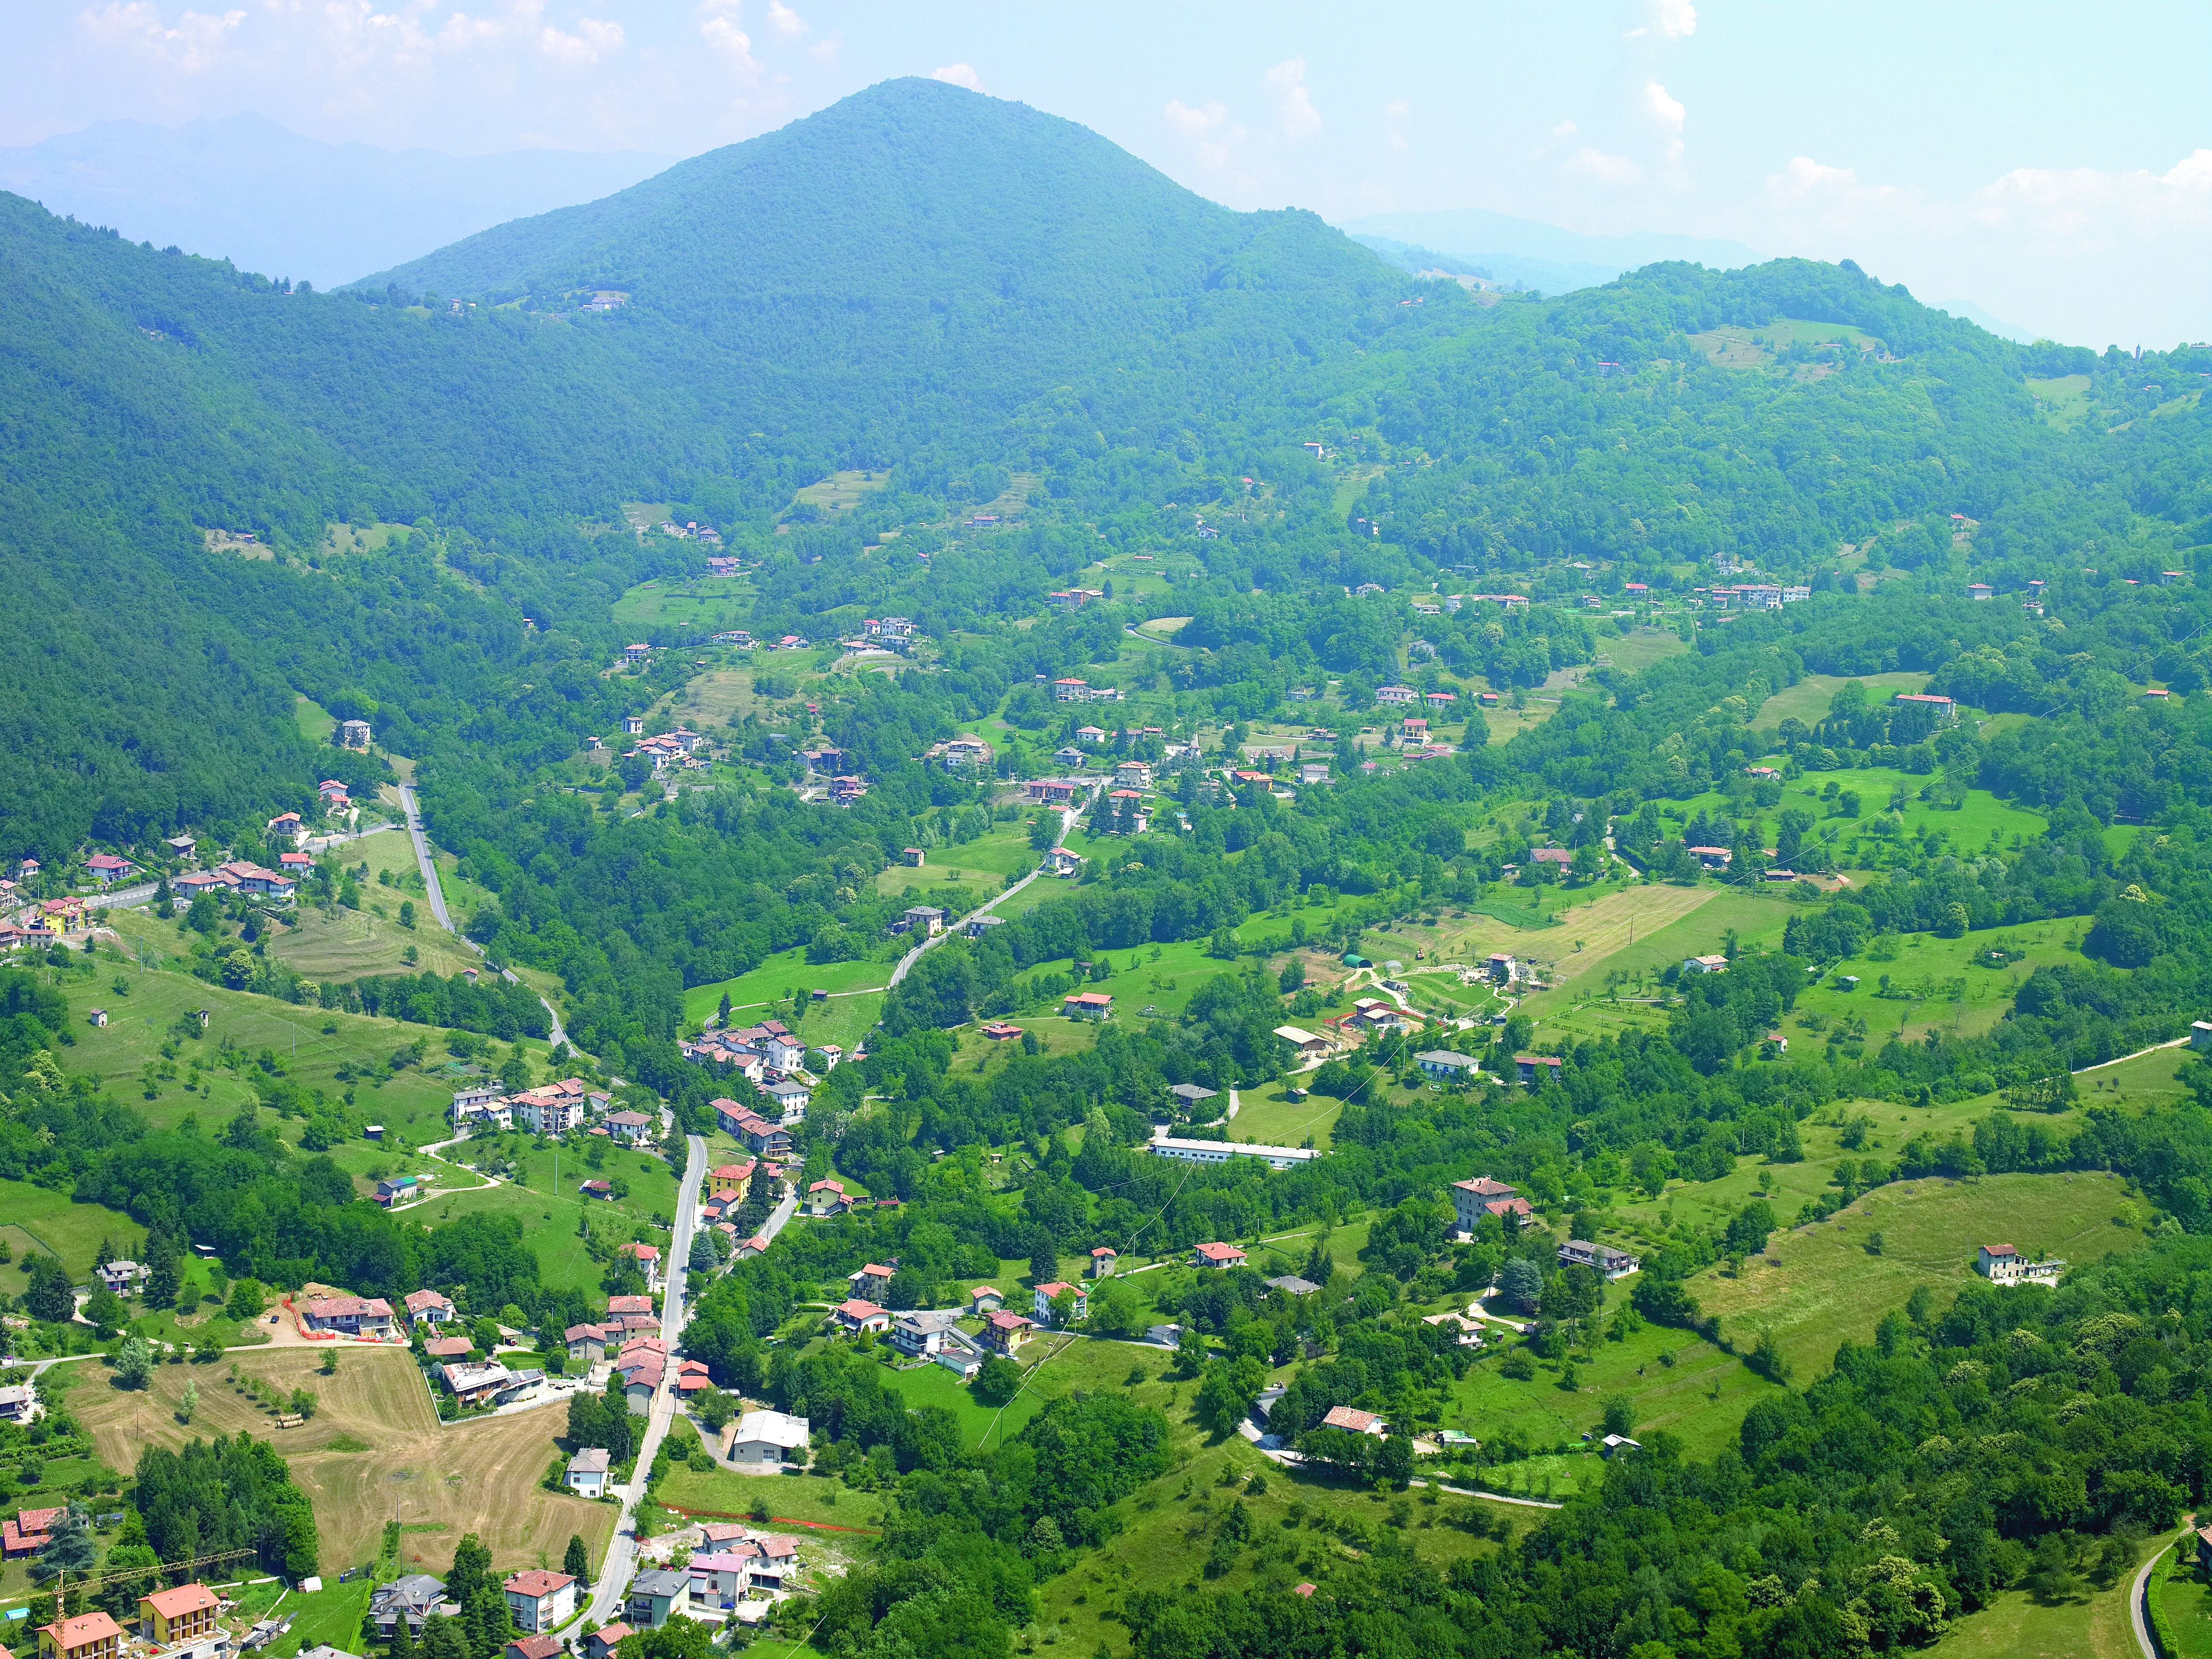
column 88, row 1636
column 170, row 1616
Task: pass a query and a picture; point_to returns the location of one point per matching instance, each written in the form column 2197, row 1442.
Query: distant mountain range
column 247, row 189
column 1528, row 253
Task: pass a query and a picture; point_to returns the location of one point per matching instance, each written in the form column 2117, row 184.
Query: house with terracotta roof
column 540, row 1600
column 648, row 1257
column 728, row 1180
column 531, row 1647
column 857, row 1317
column 827, row 1197
column 1006, row 1331
column 1470, row 1198
column 1355, row 1421
column 872, row 1279
column 1042, row 1297
column 351, row 1315
column 88, row 1636
column 984, row 1299
column 169, row 1618
column 602, row 1642
column 1087, row 1005
column 427, row 1310
column 1215, row 1255
column 29, row 1532
column 1102, row 1261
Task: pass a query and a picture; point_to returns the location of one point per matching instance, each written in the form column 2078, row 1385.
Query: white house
column 587, row 1473
column 767, row 1439
column 540, row 1600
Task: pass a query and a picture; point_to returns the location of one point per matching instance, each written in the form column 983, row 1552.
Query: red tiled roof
column 537, row 1581
column 184, row 1599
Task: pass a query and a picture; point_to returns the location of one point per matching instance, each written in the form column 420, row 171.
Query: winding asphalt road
column 557, row 1034
column 613, row 1581
column 905, row 962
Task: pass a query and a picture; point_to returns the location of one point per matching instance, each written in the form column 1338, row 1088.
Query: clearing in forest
column 1833, row 1286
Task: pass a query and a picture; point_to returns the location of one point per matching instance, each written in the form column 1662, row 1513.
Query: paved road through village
column 613, row 1581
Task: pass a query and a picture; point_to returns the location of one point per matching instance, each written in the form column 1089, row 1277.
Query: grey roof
column 592, row 1460
column 1444, row 1057
column 1294, row 1285
column 660, row 1583
column 1191, row 1091
column 415, row 1591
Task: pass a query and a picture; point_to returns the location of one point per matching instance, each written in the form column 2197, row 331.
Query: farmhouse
column 1714, row 963
column 1087, row 1005
column 1943, row 707
column 1534, row 1068
column 1215, row 1255
column 1309, row 1047
column 2001, row 1264
column 1471, row 1200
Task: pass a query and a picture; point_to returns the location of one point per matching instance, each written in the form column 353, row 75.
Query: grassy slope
column 372, row 1449
column 1827, row 1288
column 2092, row 1625
column 1808, row 700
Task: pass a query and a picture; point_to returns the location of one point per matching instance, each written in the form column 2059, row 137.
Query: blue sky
column 2051, row 164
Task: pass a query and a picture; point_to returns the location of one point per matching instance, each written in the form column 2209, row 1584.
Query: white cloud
column 593, row 39
column 192, row 44
column 2072, row 203
column 1213, row 135
column 1294, row 105
column 1675, row 19
column 1669, row 112
column 733, row 42
column 1595, row 164
column 460, row 32
column 1395, row 114
column 1565, row 129
column 959, row 74
column 825, row 50
column 1804, row 175
column 787, row 22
